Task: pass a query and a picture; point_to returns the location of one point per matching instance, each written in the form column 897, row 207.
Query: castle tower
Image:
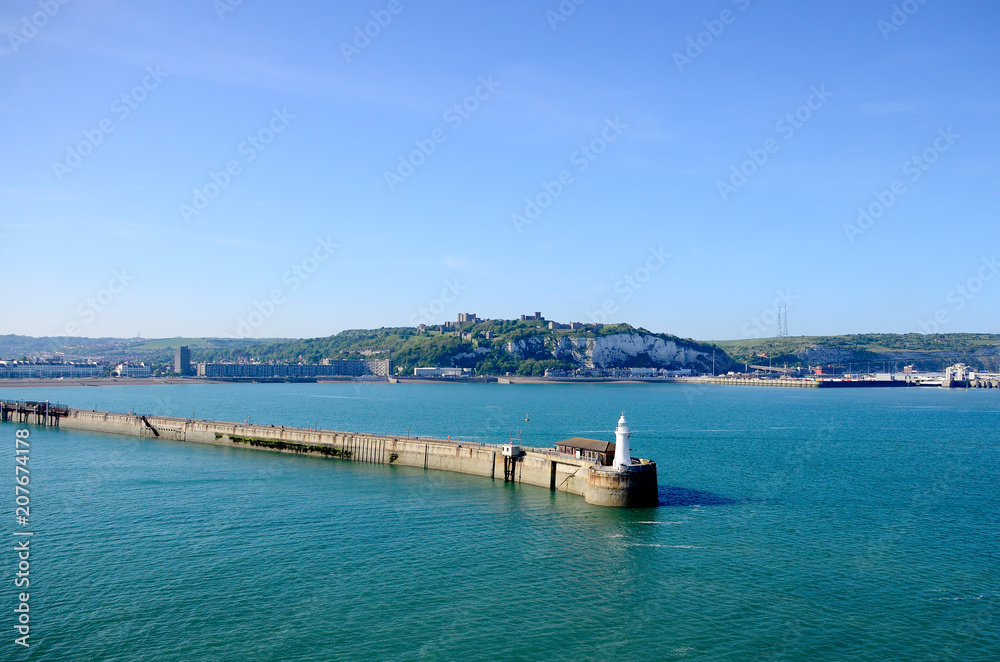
column 623, row 455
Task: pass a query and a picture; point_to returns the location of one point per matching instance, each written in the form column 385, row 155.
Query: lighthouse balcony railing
column 637, row 464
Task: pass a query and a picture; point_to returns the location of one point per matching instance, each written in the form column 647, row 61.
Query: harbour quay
column 956, row 376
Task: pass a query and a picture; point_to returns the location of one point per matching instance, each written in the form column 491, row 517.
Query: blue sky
column 115, row 113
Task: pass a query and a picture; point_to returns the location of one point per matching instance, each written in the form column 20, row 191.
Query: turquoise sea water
column 794, row 524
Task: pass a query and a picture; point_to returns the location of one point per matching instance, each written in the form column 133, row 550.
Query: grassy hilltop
column 110, row 349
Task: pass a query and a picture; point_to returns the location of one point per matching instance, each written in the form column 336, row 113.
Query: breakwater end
column 634, row 486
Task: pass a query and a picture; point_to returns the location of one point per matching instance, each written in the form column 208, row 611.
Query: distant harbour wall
column 811, row 383
column 827, row 383
column 540, row 467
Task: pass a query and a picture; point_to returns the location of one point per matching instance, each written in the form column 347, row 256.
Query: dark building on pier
column 603, row 452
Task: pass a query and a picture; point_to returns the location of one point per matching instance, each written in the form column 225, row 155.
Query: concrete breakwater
column 812, row 383
column 530, row 466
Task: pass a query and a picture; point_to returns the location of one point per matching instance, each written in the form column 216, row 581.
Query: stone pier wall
column 540, row 467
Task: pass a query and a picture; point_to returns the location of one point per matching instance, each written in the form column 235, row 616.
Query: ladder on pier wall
column 567, row 478
column 148, row 428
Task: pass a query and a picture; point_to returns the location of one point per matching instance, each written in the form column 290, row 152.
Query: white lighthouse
column 623, row 456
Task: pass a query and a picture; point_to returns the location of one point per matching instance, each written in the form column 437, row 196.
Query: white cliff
column 611, row 351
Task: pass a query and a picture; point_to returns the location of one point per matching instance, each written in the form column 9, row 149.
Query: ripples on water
column 819, row 526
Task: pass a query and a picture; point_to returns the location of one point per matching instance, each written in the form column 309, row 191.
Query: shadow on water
column 682, row 496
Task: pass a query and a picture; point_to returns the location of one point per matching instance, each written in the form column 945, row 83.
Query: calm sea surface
column 794, row 524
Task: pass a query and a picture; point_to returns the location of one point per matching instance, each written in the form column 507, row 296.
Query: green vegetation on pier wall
column 330, row 451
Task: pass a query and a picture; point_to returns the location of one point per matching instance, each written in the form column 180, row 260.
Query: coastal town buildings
column 330, row 368
column 48, row 370
column 133, row 370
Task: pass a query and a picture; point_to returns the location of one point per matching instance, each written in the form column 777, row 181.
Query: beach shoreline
column 103, row 381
